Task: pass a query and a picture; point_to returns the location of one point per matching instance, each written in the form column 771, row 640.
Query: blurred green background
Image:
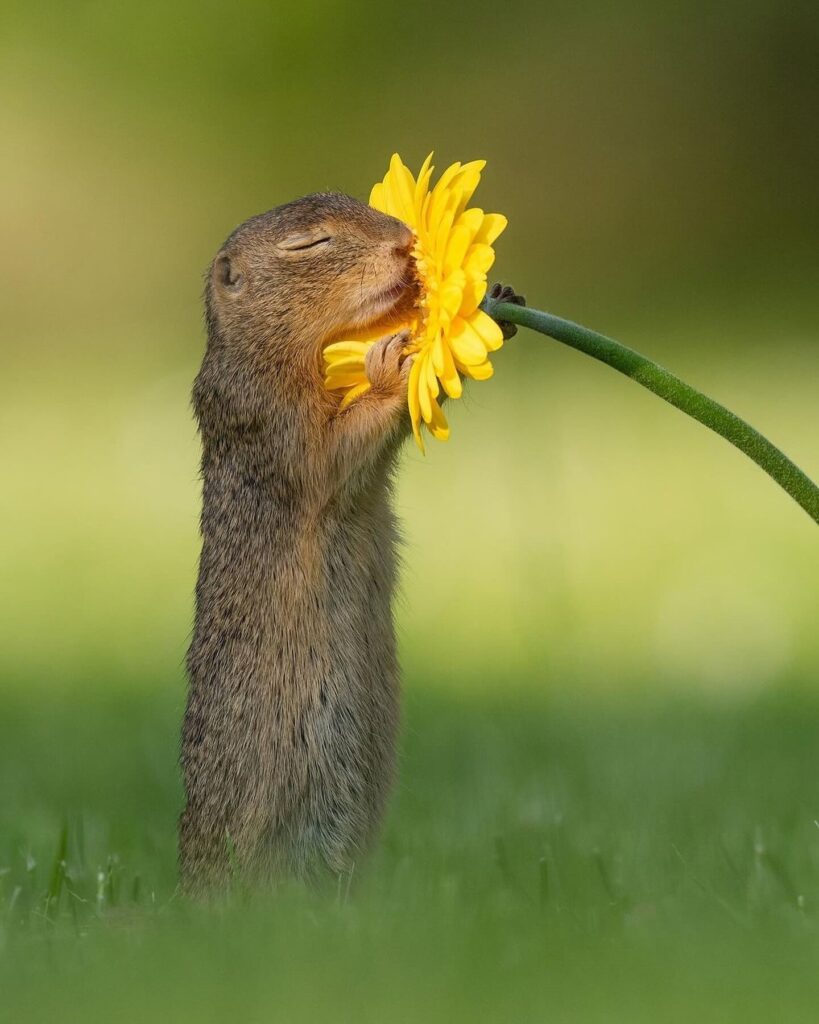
column 577, row 545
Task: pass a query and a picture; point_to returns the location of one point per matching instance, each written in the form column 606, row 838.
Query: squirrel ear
column 227, row 275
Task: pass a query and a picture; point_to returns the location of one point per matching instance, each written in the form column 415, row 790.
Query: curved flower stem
column 721, row 420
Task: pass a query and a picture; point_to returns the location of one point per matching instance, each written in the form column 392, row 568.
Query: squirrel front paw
column 503, row 293
column 386, row 365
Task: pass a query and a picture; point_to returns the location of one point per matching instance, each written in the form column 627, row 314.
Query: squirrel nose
column 403, row 247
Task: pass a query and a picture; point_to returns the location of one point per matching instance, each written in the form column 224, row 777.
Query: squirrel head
column 292, row 279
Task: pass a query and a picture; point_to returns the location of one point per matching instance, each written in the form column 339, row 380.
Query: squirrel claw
column 383, row 362
column 505, row 293
column 406, row 366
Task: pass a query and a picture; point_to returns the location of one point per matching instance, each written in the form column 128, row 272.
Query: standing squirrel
column 288, row 742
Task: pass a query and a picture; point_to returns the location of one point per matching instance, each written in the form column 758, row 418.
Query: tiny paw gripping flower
column 450, row 336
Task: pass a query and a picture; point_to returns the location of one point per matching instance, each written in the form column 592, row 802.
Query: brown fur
column 288, row 744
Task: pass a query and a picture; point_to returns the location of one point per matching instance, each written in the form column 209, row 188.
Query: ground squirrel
column 288, row 743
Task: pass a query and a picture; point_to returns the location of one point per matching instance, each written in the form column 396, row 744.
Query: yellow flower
column 450, row 336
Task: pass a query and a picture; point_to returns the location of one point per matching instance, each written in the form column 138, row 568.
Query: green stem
column 721, row 420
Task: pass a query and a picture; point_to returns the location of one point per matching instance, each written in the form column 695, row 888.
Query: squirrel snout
column 403, row 247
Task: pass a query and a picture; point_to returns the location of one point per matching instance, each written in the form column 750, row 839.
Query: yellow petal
column 344, row 364
column 413, row 399
column 413, row 402
column 354, row 393
column 441, row 199
column 342, row 349
column 391, row 207
column 479, row 258
column 377, row 197
column 344, row 380
column 466, row 343
column 493, row 224
column 438, row 426
column 488, row 331
column 403, row 188
column 432, row 380
column 450, row 298
column 440, row 240
column 424, row 398
column 473, row 294
column 472, row 220
column 416, row 433
column 423, row 217
column 483, row 371
column 438, row 350
column 422, row 182
column 467, row 180
column 449, row 377
column 446, row 179
column 458, row 242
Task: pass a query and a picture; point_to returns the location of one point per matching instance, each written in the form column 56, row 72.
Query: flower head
column 450, row 336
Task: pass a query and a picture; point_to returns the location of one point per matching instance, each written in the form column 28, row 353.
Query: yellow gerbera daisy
column 449, row 335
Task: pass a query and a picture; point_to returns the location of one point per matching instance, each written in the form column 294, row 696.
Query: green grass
column 560, row 860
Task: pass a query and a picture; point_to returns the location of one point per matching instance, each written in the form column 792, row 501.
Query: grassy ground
column 594, row 858
column 543, row 860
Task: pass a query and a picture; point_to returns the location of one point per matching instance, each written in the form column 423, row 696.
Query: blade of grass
column 55, row 885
